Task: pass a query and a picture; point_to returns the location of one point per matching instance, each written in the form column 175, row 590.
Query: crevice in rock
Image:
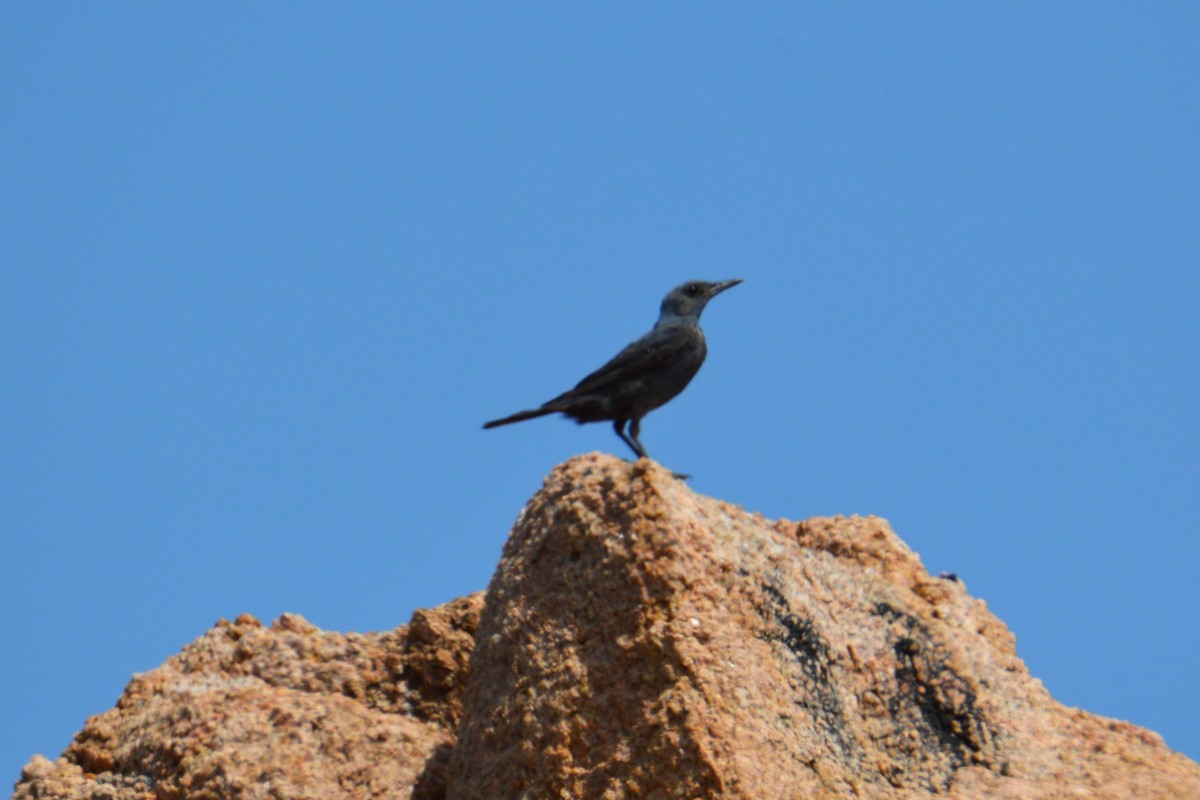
column 431, row 783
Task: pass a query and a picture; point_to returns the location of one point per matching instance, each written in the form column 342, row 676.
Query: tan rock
column 638, row 640
column 286, row 711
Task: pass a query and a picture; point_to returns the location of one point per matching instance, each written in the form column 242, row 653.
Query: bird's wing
column 656, row 348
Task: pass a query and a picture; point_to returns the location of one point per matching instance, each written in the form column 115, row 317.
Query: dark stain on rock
column 815, row 692
column 935, row 701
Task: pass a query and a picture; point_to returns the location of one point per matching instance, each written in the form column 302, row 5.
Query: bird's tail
column 520, row 416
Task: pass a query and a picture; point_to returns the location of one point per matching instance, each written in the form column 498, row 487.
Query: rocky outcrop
column 637, row 640
column 288, row 711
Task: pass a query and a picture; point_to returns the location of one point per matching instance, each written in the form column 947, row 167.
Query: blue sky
column 268, row 268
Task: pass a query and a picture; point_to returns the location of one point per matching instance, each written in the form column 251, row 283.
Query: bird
column 645, row 375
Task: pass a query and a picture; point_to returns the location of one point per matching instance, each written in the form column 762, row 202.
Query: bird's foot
column 683, row 476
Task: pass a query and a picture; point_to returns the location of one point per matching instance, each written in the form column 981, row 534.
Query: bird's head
column 688, row 299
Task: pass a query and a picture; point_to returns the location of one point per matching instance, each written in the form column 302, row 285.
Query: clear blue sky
column 267, row 268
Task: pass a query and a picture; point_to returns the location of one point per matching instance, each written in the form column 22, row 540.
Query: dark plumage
column 644, row 375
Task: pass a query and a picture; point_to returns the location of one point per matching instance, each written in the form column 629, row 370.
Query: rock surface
column 288, row 711
column 637, row 640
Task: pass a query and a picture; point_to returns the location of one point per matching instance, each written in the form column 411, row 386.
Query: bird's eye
column 693, row 289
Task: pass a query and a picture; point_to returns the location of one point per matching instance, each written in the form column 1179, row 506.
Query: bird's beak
column 722, row 286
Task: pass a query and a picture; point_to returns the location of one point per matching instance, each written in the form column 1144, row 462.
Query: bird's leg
column 634, row 444
column 635, row 428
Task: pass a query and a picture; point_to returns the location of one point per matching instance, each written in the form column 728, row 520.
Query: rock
column 637, row 640
column 640, row 640
column 290, row 711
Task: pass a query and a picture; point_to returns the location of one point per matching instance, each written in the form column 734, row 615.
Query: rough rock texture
column 637, row 640
column 288, row 711
column 640, row 640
